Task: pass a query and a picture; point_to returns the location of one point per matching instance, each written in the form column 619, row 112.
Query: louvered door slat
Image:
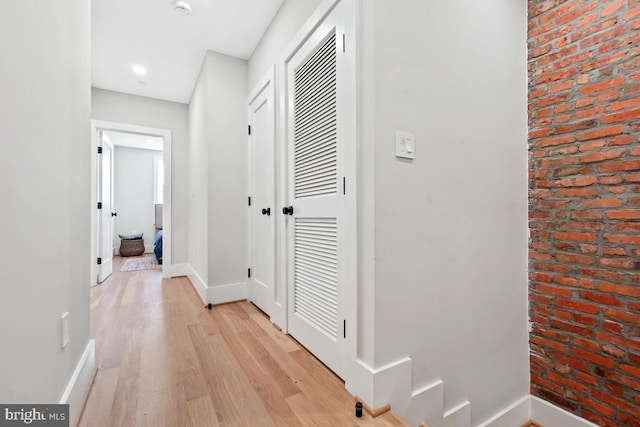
column 315, row 274
column 315, row 125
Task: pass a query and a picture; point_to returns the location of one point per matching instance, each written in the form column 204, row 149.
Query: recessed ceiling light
column 182, row 7
column 139, row 70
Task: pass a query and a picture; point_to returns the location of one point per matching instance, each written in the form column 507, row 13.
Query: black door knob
column 114, row 214
column 287, row 210
column 266, row 211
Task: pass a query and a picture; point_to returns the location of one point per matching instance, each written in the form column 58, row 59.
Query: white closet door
column 260, row 286
column 316, row 169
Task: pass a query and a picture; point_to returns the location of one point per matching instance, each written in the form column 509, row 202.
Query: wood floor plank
column 166, row 361
column 202, row 412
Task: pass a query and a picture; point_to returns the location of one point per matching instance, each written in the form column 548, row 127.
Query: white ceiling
column 169, row 45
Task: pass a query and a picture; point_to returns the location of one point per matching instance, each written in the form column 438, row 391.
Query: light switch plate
column 405, row 145
column 64, row 330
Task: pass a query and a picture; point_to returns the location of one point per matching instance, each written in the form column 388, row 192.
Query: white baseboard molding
column 516, row 414
column 219, row 294
column 532, row 408
column 459, row 416
column 177, row 270
column 226, row 293
column 392, row 384
column 198, row 284
column 148, row 249
column 426, row 403
column 80, row 382
column 547, row 414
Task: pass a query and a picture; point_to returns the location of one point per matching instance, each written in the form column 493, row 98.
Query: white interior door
column 105, row 210
column 260, row 286
column 316, row 170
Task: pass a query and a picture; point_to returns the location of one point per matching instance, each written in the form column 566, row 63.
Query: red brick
column 581, row 237
column 623, row 105
column 601, row 133
column 600, row 273
column 624, row 214
column 631, row 291
column 603, row 155
column 600, row 86
column 616, row 262
column 577, row 305
column 576, row 259
column 593, row 357
column 553, row 290
column 609, row 180
column 622, row 316
column 601, row 203
column 601, row 298
column 585, row 180
column 569, row 327
column 621, row 117
column 609, row 250
column 623, row 238
column 550, row 142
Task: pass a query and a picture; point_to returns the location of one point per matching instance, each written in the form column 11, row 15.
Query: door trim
column 98, row 125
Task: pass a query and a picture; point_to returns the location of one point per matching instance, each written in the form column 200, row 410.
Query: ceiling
column 169, row 45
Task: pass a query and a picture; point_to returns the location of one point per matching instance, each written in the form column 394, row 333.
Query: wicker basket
column 132, row 247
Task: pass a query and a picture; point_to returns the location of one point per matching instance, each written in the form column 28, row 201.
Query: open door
column 105, row 207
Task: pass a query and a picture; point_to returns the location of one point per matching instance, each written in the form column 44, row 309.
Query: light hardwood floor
column 165, row 360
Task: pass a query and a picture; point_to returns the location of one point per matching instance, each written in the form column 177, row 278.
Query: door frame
column 267, row 82
column 351, row 374
column 101, row 125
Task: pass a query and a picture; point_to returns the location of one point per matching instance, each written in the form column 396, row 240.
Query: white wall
column 227, row 144
column 450, row 226
column 198, row 181
column 142, row 111
column 218, row 175
column 133, row 193
column 287, row 22
column 44, row 187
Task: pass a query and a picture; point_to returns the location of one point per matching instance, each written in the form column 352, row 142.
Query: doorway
column 133, row 143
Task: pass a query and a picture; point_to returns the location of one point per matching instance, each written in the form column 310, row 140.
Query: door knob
column 287, row 210
column 266, row 211
column 114, row 214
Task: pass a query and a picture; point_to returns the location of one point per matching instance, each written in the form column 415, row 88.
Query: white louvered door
column 316, row 171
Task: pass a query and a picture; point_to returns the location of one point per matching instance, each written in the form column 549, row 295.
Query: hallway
column 164, row 360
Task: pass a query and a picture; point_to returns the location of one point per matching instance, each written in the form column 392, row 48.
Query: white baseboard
column 547, row 414
column 148, row 249
column 198, row 284
column 516, row 414
column 459, row 416
column 80, row 382
column 227, row 293
column 532, row 408
column 212, row 294
column 177, row 270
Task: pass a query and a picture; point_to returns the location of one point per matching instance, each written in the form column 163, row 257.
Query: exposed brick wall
column 584, row 181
